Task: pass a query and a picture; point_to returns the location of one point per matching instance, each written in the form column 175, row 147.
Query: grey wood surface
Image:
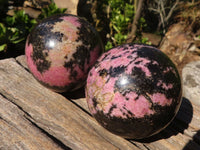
column 34, row 117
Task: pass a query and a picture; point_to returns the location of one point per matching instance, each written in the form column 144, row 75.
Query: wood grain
column 65, row 122
column 16, row 132
column 53, row 113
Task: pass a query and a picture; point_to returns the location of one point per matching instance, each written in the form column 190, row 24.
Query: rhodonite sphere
column 61, row 50
column 134, row 90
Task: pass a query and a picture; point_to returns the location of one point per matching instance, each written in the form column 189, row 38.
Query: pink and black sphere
column 60, row 51
column 134, row 90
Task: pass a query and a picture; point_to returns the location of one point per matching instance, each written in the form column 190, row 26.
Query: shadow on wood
column 194, row 143
column 56, row 122
column 178, row 125
column 52, row 113
column 80, row 93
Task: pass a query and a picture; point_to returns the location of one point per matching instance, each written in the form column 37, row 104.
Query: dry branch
column 160, row 7
column 132, row 34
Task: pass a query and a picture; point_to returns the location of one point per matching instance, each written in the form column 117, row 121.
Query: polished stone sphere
column 134, row 91
column 60, row 51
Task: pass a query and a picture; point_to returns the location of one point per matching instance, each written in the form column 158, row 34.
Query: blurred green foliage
column 14, row 29
column 52, row 9
column 120, row 15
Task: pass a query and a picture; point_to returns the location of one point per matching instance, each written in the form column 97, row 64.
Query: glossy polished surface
column 61, row 50
column 134, row 90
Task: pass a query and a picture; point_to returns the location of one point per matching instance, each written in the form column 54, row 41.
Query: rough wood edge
column 185, row 127
column 54, row 113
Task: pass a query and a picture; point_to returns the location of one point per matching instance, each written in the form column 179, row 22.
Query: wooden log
column 179, row 135
column 53, row 113
column 182, row 134
column 16, row 132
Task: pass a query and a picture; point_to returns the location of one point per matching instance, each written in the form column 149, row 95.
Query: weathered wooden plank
column 16, row 132
column 180, row 132
column 53, row 113
column 178, row 135
column 22, row 61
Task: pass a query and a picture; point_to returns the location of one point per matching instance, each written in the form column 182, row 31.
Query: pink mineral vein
column 165, row 85
column 160, row 99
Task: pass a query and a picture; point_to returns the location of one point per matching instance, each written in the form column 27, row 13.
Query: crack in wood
column 57, row 141
column 56, row 119
column 14, row 128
